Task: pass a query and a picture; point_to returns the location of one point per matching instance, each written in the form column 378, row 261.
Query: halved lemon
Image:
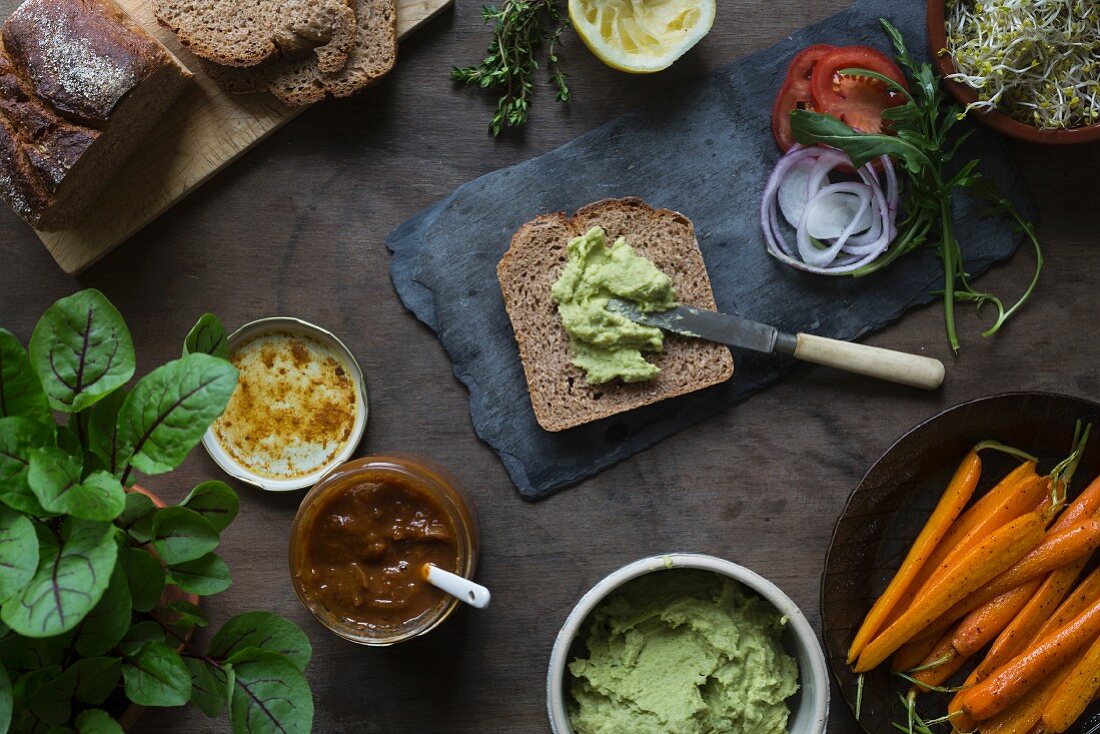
column 641, row 36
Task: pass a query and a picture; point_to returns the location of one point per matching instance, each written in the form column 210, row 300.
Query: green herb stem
column 520, row 27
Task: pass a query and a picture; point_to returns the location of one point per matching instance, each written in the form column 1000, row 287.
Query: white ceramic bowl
column 809, row 707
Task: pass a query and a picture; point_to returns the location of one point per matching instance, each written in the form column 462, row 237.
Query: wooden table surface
column 297, row 226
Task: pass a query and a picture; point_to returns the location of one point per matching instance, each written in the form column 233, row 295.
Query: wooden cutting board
column 205, row 131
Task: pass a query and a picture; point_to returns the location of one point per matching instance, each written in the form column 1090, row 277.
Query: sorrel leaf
column 188, row 616
column 18, row 438
column 96, row 721
column 170, row 409
column 269, row 694
column 94, row 678
column 5, row 701
column 215, row 501
column 103, row 430
column 54, row 477
column 137, row 517
column 21, row 391
column 265, row 631
column 139, row 634
column 156, row 676
column 74, row 568
column 109, row 619
column 182, row 535
column 18, row 552
column 146, row 577
column 81, row 350
column 207, row 336
column 208, row 687
column 204, row 576
column 48, row 695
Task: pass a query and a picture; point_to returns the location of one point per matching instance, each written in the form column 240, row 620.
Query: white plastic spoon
column 459, row 587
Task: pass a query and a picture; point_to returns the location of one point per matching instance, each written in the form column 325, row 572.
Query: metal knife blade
column 710, row 325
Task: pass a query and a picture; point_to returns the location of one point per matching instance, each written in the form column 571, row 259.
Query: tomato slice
column 795, row 92
column 857, row 100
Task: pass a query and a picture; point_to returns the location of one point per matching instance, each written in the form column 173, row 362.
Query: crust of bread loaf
column 560, row 395
column 81, row 84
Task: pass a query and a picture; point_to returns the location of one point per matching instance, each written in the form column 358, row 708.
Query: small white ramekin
column 809, row 707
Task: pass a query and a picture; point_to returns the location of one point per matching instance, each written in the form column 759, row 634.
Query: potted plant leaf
column 99, row 584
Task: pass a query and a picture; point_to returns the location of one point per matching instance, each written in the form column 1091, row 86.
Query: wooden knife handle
column 884, row 364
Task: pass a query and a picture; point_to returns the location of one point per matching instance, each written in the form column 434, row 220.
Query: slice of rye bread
column 560, row 395
column 299, row 82
column 248, row 32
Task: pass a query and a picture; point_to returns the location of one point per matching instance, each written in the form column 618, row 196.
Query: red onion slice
column 804, row 172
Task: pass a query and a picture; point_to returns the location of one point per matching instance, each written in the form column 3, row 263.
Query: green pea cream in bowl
column 687, row 644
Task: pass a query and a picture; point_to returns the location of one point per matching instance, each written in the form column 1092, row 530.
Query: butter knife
column 884, row 364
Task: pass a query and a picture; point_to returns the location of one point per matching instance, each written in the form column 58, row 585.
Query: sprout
column 1035, row 60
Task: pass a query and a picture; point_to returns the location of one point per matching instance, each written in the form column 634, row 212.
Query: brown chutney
column 360, row 542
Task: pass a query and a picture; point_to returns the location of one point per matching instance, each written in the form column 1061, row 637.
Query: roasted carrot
column 1082, row 597
column 942, row 662
column 951, row 504
column 1020, row 718
column 1015, row 494
column 1026, row 629
column 1059, row 548
column 984, row 624
column 1010, row 682
column 913, row 653
column 1075, row 692
column 993, row 555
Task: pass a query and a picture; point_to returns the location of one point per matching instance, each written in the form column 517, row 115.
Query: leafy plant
column 95, row 579
column 924, row 144
column 520, row 27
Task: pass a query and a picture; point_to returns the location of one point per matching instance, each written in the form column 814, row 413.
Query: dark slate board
column 704, row 149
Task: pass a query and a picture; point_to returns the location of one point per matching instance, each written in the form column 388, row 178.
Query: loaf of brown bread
column 560, row 395
column 303, row 81
column 80, row 85
column 247, row 32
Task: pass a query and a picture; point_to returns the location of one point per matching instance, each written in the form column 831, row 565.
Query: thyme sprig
column 520, row 29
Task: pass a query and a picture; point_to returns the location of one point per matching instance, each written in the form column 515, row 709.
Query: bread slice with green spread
column 561, row 396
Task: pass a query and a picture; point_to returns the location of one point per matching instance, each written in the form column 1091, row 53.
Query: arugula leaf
column 207, row 336
column 96, row 721
column 209, row 689
column 265, row 631
column 145, row 575
column 5, row 701
column 215, row 501
column 203, row 576
column 169, row 409
column 269, row 693
column 21, row 391
column 81, row 350
column 18, row 553
column 182, row 535
column 136, row 517
column 108, row 621
column 54, row 477
column 814, row 127
column 94, row 678
column 74, row 568
column 156, row 676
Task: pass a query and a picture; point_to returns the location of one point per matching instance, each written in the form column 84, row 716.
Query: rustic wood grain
column 296, row 227
column 204, row 132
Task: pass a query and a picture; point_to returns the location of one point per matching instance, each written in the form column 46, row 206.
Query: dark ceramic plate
column 891, row 504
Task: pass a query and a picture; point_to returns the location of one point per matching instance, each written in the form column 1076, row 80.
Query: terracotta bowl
column 1002, row 123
